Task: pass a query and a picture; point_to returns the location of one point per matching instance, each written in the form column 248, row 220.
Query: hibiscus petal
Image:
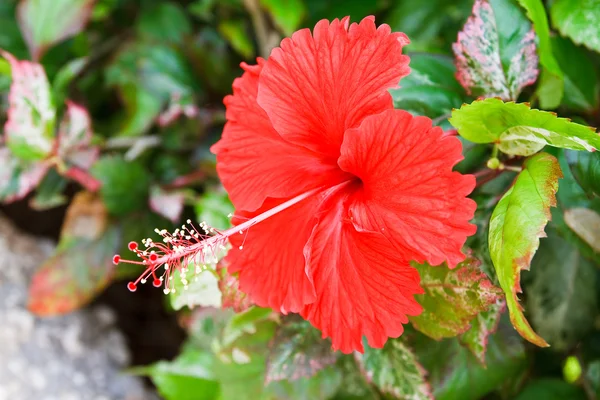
column 271, row 263
column 410, row 192
column 362, row 287
column 314, row 87
column 254, row 162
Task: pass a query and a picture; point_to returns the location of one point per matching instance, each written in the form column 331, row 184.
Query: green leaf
column 455, row 373
column 321, row 386
column 431, row 88
column 452, row 298
column 214, row 207
column 189, row 377
column 236, row 34
column 520, row 130
column 586, row 224
column 81, row 266
column 65, row 76
column 141, row 109
column 45, row 23
column 578, row 20
column 561, row 296
column 125, row 184
column 18, row 177
column 551, row 389
column 195, row 287
column 580, row 75
column 482, row 326
column 29, row 131
column 395, row 371
column 586, row 169
column 49, row 193
column 287, row 14
column 550, row 89
column 516, row 225
column 495, row 51
column 297, row 351
column 164, row 22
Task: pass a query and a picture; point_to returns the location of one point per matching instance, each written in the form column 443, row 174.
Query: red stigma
column 116, row 259
column 153, row 257
column 132, row 287
column 157, row 283
column 132, row 246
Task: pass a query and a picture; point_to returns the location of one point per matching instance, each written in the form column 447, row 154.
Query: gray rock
column 80, row 356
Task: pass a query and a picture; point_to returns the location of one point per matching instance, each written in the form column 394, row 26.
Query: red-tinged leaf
column 169, row 204
column 485, row 324
column 18, row 177
column 75, row 137
column 516, row 226
column 45, row 23
column 495, row 52
column 297, row 351
column 453, row 298
column 395, row 370
column 82, row 264
column 232, row 296
column 29, row 131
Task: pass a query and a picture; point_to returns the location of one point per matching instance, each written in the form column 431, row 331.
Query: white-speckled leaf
column 17, row 177
column 195, row 289
column 395, row 371
column 520, row 130
column 496, row 52
column 29, row 131
column 482, row 326
column 75, row 136
column 169, row 204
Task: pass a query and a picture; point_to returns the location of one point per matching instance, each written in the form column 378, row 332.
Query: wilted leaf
column 297, row 351
column 232, row 296
column 287, row 14
column 578, row 20
column 29, row 131
column 395, row 371
column 562, row 294
column 82, row 263
column 586, row 224
column 75, row 136
column 18, row 177
column 495, row 52
column 45, row 23
column 520, row 130
column 169, row 204
column 516, row 225
column 125, row 185
column 550, row 88
column 431, row 88
column 452, row 298
column 482, row 326
column 455, row 373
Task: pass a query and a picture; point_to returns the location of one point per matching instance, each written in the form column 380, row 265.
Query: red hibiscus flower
column 336, row 192
column 316, row 117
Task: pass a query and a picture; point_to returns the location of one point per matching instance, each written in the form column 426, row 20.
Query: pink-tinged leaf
column 297, row 351
column 75, row 137
column 45, row 23
column 177, row 107
column 395, row 370
column 232, row 296
column 453, row 298
column 29, row 131
column 485, row 324
column 169, row 204
column 18, row 177
column 82, row 264
column 495, row 52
